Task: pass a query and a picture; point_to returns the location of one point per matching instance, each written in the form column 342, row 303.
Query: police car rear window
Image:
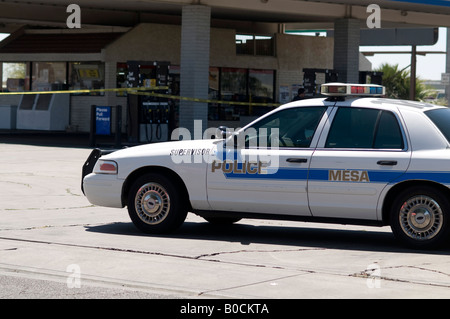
column 441, row 118
column 364, row 128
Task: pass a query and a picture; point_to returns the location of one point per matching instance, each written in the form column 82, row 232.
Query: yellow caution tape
column 140, row 91
column 176, row 97
column 128, row 90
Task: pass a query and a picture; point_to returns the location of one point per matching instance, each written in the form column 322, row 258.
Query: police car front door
column 268, row 172
column 360, row 152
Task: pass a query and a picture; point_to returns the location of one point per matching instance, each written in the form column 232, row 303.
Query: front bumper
column 100, row 189
column 103, row 190
column 89, row 164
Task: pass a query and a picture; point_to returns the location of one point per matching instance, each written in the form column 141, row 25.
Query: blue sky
column 429, row 67
column 445, row 3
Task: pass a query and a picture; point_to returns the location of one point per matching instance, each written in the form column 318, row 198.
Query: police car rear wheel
column 420, row 216
column 155, row 205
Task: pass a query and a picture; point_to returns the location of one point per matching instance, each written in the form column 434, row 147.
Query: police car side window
column 388, row 134
column 289, row 128
column 364, row 128
column 441, row 118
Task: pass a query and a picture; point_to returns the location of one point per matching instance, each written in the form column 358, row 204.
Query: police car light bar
column 344, row 89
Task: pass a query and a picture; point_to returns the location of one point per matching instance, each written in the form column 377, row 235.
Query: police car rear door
column 267, row 173
column 361, row 150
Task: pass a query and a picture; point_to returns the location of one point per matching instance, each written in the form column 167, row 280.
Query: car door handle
column 296, row 160
column 387, row 163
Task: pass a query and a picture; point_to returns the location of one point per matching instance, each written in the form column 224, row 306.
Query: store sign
column 103, row 120
column 89, row 73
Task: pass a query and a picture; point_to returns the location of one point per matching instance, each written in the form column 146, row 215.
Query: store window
column 261, row 84
column 15, row 76
column 233, row 84
column 49, row 76
column 239, row 85
column 261, row 90
column 250, row 44
column 87, row 76
column 233, row 87
column 213, row 93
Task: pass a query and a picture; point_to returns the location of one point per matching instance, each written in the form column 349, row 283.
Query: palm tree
column 397, row 83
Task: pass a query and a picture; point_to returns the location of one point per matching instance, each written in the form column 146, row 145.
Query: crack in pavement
column 257, row 251
column 57, row 276
column 211, row 291
column 17, row 183
column 369, row 273
column 44, row 208
column 209, row 257
column 47, row 226
column 203, row 257
column 426, row 269
column 69, row 191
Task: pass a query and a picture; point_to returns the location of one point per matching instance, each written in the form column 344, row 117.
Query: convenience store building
column 218, row 50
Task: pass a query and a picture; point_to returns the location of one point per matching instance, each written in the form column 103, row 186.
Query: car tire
column 155, row 205
column 420, row 217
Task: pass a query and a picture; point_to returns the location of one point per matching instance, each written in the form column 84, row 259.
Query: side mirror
column 222, row 131
column 229, row 135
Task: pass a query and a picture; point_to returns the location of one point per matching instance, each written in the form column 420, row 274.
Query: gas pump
column 311, row 87
column 149, row 116
column 309, row 79
column 374, row 77
column 309, row 82
column 154, row 120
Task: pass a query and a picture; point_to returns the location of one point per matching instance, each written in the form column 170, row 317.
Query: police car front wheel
column 155, row 204
column 419, row 217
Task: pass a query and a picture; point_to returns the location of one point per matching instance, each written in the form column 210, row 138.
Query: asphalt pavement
column 55, row 244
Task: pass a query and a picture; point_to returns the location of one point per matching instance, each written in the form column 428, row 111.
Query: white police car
column 351, row 158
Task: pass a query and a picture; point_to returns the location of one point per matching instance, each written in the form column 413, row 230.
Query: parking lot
column 55, row 244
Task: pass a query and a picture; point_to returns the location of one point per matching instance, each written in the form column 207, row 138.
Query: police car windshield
column 441, row 118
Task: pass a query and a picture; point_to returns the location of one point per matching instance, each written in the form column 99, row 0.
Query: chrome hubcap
column 421, row 217
column 152, row 203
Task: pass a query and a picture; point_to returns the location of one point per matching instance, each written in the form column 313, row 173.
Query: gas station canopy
column 41, row 34
column 294, row 14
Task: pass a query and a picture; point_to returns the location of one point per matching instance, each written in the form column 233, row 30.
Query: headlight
column 105, row 167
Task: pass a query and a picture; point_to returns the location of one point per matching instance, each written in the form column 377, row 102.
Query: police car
column 352, row 157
